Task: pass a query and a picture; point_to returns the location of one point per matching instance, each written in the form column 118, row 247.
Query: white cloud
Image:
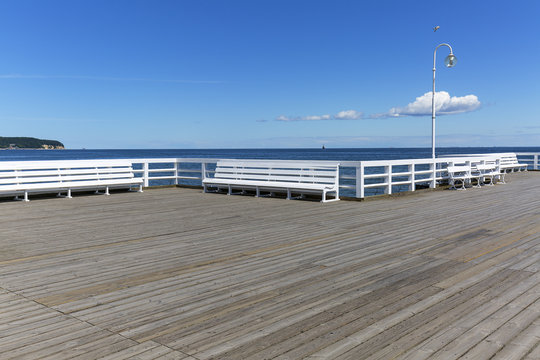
column 283, row 118
column 348, row 115
column 342, row 115
column 316, row 117
column 303, row 118
column 444, row 105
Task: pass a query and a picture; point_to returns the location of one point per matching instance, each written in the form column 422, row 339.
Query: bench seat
column 64, row 185
column 489, row 171
column 462, row 174
column 275, row 176
column 269, row 184
column 25, row 177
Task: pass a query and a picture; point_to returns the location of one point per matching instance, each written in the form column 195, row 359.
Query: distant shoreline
column 30, row 143
column 33, row 149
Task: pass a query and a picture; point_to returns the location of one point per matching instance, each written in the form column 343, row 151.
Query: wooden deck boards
column 178, row 274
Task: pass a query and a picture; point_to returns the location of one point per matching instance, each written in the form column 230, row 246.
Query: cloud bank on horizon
column 444, row 105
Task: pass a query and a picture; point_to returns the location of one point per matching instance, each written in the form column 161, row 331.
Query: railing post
column 535, row 165
column 388, row 171
column 434, row 174
column 337, row 182
column 360, row 181
column 412, row 177
column 175, row 167
column 145, row 174
column 203, row 170
column 500, row 177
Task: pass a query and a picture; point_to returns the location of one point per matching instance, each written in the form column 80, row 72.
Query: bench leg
column 17, row 198
column 67, row 196
column 230, row 190
column 288, row 194
column 325, row 200
column 454, row 187
column 257, row 192
column 139, row 188
column 104, row 193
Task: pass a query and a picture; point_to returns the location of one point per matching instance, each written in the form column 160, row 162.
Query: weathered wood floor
column 177, row 274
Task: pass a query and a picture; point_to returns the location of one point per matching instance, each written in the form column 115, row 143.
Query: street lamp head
column 450, row 60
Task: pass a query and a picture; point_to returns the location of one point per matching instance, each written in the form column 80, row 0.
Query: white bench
column 510, row 163
column 462, row 174
column 487, row 171
column 275, row 176
column 25, row 177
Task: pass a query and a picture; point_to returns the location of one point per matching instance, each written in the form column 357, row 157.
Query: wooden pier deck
column 176, row 274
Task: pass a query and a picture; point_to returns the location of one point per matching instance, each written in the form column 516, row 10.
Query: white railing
column 531, row 159
column 357, row 178
column 156, row 171
column 391, row 176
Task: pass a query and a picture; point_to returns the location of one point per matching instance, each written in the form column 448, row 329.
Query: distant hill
column 28, row 143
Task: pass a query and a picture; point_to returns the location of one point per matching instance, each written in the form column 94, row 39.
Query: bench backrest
column 509, row 160
column 277, row 171
column 62, row 171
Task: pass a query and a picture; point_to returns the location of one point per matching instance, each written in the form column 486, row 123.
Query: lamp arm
column 435, row 52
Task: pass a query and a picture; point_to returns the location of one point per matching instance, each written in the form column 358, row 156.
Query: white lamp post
column 450, row 61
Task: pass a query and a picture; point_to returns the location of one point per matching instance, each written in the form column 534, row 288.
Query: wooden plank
column 175, row 273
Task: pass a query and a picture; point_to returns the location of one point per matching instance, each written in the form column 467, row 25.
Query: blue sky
column 241, row 74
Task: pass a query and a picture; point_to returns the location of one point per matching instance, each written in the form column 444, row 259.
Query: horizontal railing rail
column 530, row 158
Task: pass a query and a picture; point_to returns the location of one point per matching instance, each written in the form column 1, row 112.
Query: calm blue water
column 284, row 154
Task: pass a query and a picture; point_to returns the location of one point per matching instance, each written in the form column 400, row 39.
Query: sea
column 356, row 154
column 338, row 154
